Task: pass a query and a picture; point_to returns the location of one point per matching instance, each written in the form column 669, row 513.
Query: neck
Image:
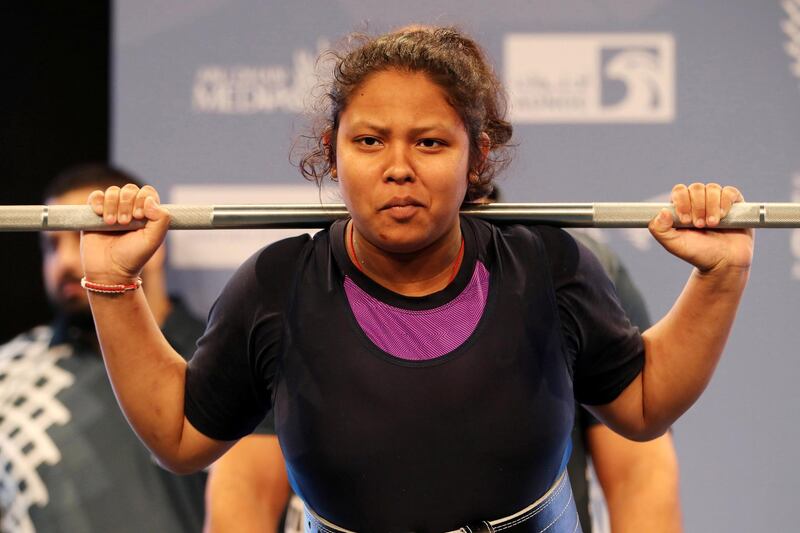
column 417, row 273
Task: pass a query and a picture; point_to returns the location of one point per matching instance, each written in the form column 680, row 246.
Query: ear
column 485, row 146
column 327, row 143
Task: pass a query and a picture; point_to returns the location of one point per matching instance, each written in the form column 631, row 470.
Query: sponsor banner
column 227, row 249
column 251, row 89
column 590, row 78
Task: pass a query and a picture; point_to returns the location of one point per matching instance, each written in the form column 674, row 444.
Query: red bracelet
column 110, row 289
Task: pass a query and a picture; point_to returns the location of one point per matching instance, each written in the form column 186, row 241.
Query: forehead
column 398, row 94
column 73, row 197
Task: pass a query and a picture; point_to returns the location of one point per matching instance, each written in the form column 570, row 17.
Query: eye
column 368, row 141
column 431, row 143
column 48, row 243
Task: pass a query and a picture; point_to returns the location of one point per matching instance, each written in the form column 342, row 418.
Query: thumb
column 158, row 218
column 661, row 226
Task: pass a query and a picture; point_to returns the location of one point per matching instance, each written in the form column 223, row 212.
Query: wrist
column 724, row 277
column 111, row 288
column 111, row 278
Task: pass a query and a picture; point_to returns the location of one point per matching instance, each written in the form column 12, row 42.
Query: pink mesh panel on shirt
column 421, row 335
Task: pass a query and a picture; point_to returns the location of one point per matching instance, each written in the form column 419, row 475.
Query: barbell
column 597, row 215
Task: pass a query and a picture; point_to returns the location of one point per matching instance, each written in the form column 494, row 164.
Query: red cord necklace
column 456, row 262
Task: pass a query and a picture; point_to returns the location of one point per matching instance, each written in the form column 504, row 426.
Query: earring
column 333, row 174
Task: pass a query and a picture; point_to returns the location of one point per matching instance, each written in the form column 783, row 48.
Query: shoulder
column 569, row 257
column 555, row 240
column 271, row 262
column 263, row 278
column 27, row 356
column 527, row 242
column 608, row 259
column 280, row 253
column 560, row 248
column 22, row 344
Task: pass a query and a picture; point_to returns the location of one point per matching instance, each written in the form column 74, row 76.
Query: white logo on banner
column 227, row 249
column 247, row 89
column 590, row 78
column 791, row 28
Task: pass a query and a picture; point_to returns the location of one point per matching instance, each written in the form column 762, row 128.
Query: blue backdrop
column 612, row 100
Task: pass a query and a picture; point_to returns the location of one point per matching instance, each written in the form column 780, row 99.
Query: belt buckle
column 478, row 527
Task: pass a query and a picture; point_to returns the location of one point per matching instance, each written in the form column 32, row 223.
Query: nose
column 399, row 168
column 69, row 254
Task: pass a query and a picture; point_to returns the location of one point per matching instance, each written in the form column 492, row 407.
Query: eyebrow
column 364, row 124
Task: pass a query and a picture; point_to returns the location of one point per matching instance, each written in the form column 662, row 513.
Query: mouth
column 401, row 202
column 402, row 207
column 71, row 289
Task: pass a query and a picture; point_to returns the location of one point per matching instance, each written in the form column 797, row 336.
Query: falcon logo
column 590, row 78
column 638, row 77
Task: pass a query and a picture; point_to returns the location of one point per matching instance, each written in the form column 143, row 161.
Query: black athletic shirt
column 377, row 443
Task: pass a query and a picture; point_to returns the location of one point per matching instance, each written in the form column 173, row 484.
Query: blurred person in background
column 68, row 459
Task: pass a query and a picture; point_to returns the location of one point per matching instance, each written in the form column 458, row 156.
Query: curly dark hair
column 453, row 61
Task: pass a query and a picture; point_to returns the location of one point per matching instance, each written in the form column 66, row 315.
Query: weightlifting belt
column 554, row 512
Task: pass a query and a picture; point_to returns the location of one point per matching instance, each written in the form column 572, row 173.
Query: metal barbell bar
column 598, row 215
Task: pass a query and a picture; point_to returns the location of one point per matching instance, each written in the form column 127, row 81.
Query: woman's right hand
column 118, row 257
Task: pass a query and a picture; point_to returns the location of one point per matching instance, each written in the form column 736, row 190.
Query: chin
column 73, row 306
column 405, row 243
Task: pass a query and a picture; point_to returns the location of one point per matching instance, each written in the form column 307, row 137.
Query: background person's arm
column 247, row 488
column 640, row 481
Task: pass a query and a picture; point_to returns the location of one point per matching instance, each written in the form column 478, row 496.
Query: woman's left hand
column 708, row 250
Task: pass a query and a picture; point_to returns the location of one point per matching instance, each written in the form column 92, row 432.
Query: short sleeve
column 605, row 350
column 627, row 292
column 229, row 380
column 267, row 425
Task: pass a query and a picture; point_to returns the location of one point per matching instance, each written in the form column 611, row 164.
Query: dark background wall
column 56, row 102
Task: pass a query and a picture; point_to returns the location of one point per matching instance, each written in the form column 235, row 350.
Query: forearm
column 683, row 349
column 645, row 506
column 640, row 481
column 147, row 375
column 681, row 353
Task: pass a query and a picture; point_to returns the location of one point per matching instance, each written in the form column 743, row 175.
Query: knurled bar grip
column 599, row 215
